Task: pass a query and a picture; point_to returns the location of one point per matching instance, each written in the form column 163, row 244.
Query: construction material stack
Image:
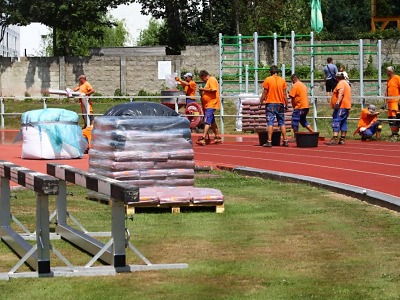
column 253, row 115
column 148, row 145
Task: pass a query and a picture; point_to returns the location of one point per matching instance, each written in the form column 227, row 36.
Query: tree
column 151, row 35
column 114, row 36
column 11, row 13
column 344, row 21
column 68, row 16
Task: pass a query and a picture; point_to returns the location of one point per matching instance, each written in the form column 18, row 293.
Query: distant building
column 9, row 46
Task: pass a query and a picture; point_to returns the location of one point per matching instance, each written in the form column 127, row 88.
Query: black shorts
column 330, row 85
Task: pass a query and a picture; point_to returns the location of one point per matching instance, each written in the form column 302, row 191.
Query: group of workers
column 209, row 100
column 275, row 98
column 338, row 87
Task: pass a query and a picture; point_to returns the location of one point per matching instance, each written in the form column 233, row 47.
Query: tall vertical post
column 275, row 49
column 361, row 58
column 5, row 206
column 61, row 72
column 117, row 232
column 379, row 67
column 87, row 107
column 240, row 61
column 42, row 234
column 2, row 112
column 312, row 65
column 61, row 203
column 122, row 75
column 283, row 71
column 256, row 63
column 247, row 79
column 221, row 83
column 220, row 62
column 292, row 44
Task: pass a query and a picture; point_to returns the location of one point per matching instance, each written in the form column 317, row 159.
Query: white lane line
column 323, row 157
column 318, row 151
column 296, row 163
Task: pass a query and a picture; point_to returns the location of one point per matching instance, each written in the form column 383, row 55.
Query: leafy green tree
column 151, row 35
column 68, row 16
column 173, row 12
column 387, row 8
column 80, row 44
column 344, row 21
column 12, row 13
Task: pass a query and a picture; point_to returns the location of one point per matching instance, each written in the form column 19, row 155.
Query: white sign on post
column 164, row 68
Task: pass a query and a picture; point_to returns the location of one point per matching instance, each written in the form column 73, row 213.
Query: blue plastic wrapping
column 61, row 126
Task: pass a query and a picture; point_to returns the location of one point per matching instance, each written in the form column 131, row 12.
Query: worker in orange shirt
column 368, row 124
column 299, row 96
column 85, row 88
column 275, row 97
column 341, row 104
column 189, row 87
column 393, row 90
column 210, row 102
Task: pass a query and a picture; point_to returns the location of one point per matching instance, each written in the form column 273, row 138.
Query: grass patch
column 274, row 241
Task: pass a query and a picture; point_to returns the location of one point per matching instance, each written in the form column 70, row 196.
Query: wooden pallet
column 175, row 208
column 153, row 207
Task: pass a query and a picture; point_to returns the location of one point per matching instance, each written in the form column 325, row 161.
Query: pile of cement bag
column 140, row 147
column 253, row 116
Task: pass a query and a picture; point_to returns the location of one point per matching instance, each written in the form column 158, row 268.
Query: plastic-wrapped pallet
column 254, row 117
column 146, row 144
column 51, row 133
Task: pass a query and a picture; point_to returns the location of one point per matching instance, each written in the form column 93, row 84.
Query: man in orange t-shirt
column 210, row 102
column 189, row 86
column 368, row 124
column 298, row 95
column 274, row 95
column 393, row 90
column 85, row 88
column 341, row 104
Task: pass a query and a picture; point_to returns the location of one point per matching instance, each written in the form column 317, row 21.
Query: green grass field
column 274, row 241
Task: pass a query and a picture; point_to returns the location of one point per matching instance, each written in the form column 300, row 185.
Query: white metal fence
column 315, row 102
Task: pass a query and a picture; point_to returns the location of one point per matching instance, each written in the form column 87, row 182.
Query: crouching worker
column 368, row 125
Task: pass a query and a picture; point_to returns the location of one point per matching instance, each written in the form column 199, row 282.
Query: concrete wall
column 132, row 72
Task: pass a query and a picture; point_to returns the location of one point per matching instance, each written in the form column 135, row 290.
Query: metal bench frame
column 37, row 257
column 120, row 195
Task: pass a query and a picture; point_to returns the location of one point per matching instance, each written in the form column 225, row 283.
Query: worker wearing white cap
column 189, row 86
column 393, row 90
column 368, row 124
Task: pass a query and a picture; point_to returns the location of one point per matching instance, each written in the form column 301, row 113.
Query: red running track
column 372, row 165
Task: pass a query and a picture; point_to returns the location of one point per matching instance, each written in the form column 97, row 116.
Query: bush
column 304, row 72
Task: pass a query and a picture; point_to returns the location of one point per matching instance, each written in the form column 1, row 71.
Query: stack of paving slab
column 253, row 116
column 151, row 149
